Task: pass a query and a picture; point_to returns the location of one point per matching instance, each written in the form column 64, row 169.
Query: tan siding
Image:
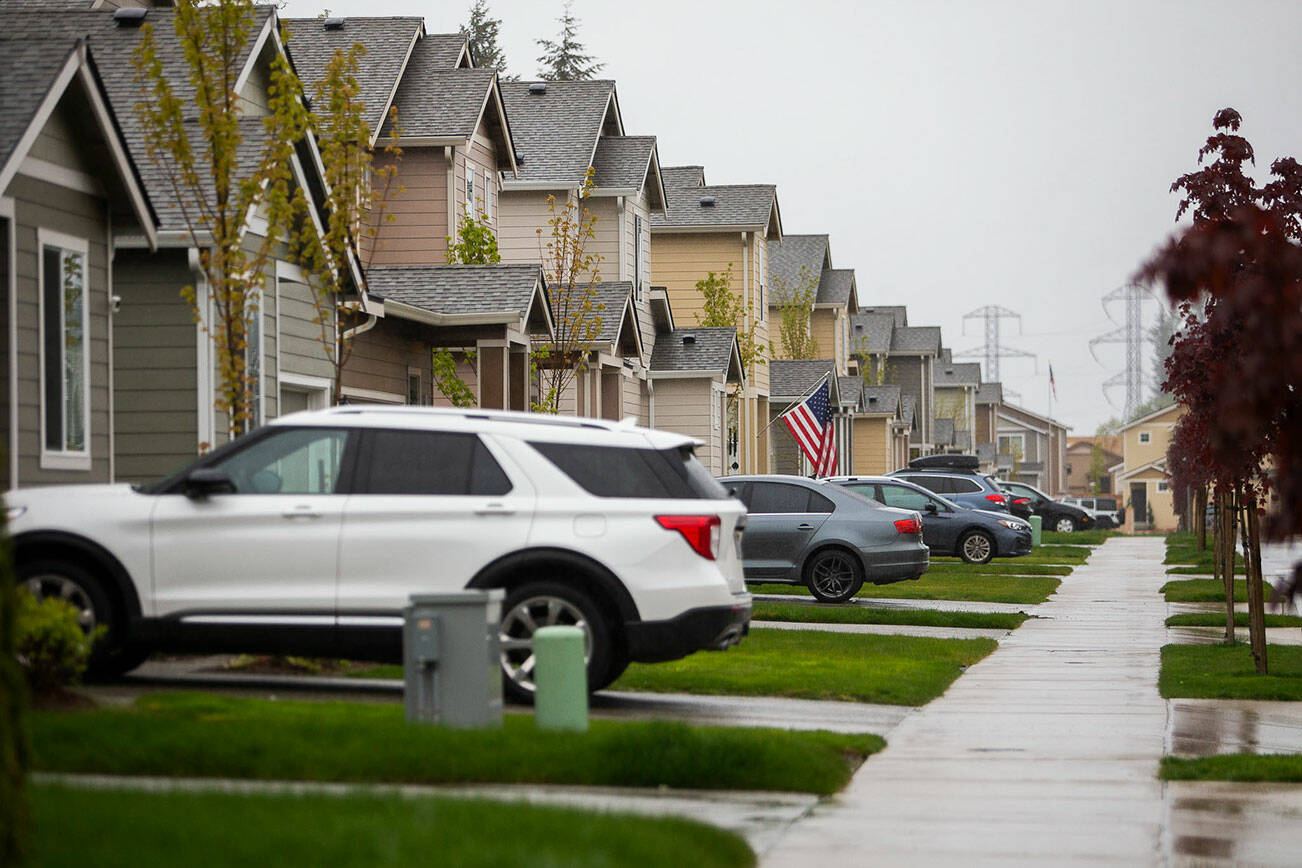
column 38, row 204
column 638, row 207
column 417, row 232
column 872, row 446
column 483, row 158
column 683, row 406
column 382, row 355
column 607, row 238
column 522, row 214
column 680, row 260
column 822, row 327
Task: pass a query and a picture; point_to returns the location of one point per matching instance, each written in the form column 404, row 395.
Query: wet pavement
column 1227, row 823
column 1210, row 727
column 1216, row 635
column 886, row 629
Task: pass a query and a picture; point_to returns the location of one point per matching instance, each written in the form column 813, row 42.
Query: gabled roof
column 909, row 410
column 449, row 51
column 683, row 176
column 871, row 332
column 942, row 432
column 455, row 294
column 629, row 163
column 897, row 312
column 796, row 255
column 990, row 393
column 881, row 399
column 916, row 339
column 613, row 302
column 388, row 43
column 709, row 351
column 1025, row 412
column 851, row 389
column 836, row 287
column 35, row 75
column 557, row 131
column 726, row 206
column 1149, row 417
column 962, row 374
column 791, row 378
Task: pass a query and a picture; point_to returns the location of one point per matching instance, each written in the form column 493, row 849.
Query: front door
column 1139, row 505
column 267, row 547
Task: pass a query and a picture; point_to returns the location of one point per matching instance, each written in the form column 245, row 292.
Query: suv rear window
column 964, row 486
column 622, row 471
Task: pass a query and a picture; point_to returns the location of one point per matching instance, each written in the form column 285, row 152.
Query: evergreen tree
column 565, row 60
column 481, row 32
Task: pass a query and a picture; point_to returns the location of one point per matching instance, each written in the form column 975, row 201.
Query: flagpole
column 817, row 386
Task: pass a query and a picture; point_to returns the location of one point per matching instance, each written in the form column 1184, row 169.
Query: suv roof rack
column 474, row 413
column 946, row 462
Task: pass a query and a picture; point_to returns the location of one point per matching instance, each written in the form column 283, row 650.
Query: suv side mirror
column 207, row 480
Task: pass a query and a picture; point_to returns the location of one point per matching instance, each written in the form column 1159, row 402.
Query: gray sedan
column 806, row 532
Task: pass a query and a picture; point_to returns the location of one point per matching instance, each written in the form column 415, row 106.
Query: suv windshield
column 620, row 471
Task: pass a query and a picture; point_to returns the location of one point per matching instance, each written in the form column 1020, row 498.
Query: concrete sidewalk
column 1045, row 752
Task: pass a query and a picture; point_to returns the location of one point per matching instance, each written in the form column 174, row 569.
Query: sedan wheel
column 1064, row 525
column 976, row 548
column 531, row 607
column 832, row 576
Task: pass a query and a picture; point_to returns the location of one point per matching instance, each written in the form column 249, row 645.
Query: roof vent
column 334, row 23
column 858, row 326
column 949, row 372
column 689, row 339
column 872, row 399
column 129, row 16
column 707, row 201
column 538, row 88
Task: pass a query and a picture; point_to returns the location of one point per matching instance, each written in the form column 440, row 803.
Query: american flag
column 810, row 422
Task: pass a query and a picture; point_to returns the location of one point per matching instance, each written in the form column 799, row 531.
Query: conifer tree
column 565, row 59
column 481, row 32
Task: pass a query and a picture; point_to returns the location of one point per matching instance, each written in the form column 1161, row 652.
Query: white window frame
column 1021, row 439
column 1163, row 486
column 260, row 393
column 413, row 371
column 488, row 196
column 469, row 174
column 64, row 459
column 317, row 389
column 1145, row 438
column 637, row 257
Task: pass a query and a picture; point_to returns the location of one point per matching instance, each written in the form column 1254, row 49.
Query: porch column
column 612, row 388
column 492, row 377
column 518, row 375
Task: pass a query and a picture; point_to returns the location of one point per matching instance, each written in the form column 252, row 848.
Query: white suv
column 309, row 535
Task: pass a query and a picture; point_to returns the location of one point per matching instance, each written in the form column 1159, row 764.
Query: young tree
column 572, row 271
column 566, row 59
column 475, row 244
column 795, row 305
column 15, row 752
column 222, row 168
column 481, row 32
column 723, row 308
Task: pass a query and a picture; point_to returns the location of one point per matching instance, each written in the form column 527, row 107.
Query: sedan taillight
column 1021, row 501
column 700, row 531
column 997, row 498
column 908, row 525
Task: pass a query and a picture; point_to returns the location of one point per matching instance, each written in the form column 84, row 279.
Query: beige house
column 888, row 351
column 955, row 390
column 793, row 380
column 881, row 433
column 691, row 373
column 1031, row 448
column 803, row 264
column 1080, row 457
column 1140, row 480
column 726, row 230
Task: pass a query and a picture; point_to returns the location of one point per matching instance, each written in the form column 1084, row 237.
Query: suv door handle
column 301, row 512
column 495, row 509
column 804, row 527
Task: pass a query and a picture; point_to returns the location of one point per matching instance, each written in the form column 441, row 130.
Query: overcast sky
column 959, row 154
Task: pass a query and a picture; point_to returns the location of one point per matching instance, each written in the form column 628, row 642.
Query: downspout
column 450, row 152
column 205, row 429
column 651, row 401
column 112, row 252
column 12, row 267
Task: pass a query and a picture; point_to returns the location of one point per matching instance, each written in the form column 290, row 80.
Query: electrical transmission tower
column 1130, row 331
column 993, row 350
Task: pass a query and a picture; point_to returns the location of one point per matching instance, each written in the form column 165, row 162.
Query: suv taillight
column 700, row 531
column 1021, row 501
column 997, row 498
column 908, row 525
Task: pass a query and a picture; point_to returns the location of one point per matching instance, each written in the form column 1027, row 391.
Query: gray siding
column 301, row 347
column 155, row 365
column 6, row 228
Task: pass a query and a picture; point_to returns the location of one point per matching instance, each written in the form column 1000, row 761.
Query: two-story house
column 1141, row 479
column 881, row 432
column 1031, row 448
column 956, row 385
column 726, row 230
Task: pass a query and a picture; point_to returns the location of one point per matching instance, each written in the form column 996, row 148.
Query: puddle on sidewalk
column 1209, row 727
column 1216, row 635
column 1228, row 823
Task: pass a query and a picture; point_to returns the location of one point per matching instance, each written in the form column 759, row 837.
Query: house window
column 65, row 360
column 1163, row 486
column 415, row 392
column 1012, row 444
column 470, row 191
column 488, row 195
column 1145, row 437
column 637, row 257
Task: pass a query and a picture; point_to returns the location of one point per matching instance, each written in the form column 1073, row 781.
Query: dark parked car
column 957, row 478
column 831, row 540
column 975, row 535
column 1055, row 515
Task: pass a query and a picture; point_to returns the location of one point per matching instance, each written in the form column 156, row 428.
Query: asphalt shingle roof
column 435, row 101
column 851, row 389
column 916, row 339
column 609, row 301
column 683, row 176
column 961, row 374
column 312, row 47
column 836, row 286
column 623, row 161
column 990, row 393
column 711, row 351
column 871, row 332
column 908, row 407
column 881, row 399
column 942, row 432
column 791, row 378
column 27, row 71
column 445, row 49
column 794, row 256
column 556, row 132
column 899, row 313
column 452, row 289
column 734, row 204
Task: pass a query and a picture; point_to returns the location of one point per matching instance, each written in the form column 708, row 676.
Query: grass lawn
column 1077, row 537
column 962, row 584
column 806, row 664
column 131, row 829
column 1234, row 767
column 1206, row 591
column 1226, row 672
column 202, row 735
column 820, row 613
column 1217, row 619
column 1193, row 571
column 1000, row 567
column 1182, row 548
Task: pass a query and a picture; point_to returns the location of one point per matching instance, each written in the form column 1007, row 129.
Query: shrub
column 51, row 646
column 15, row 749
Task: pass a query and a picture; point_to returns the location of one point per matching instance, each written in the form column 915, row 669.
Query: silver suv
column 309, row 535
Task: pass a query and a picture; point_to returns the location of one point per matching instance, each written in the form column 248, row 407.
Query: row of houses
column 110, row 377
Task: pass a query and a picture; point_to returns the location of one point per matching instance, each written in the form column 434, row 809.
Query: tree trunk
column 1200, row 517
column 1256, row 598
column 1225, row 540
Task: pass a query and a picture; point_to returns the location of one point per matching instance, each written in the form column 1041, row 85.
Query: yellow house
column 725, row 230
column 881, row 433
column 1141, row 480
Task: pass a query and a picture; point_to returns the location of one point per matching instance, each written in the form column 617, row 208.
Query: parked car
column 309, row 535
column 975, row 535
column 957, row 478
column 1055, row 515
column 829, row 539
column 1103, row 509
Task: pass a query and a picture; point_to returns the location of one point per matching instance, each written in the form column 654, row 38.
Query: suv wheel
column 976, row 548
column 833, row 576
column 58, row 579
column 1064, row 525
column 549, row 604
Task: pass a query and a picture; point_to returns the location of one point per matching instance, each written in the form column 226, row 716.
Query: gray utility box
column 451, row 663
